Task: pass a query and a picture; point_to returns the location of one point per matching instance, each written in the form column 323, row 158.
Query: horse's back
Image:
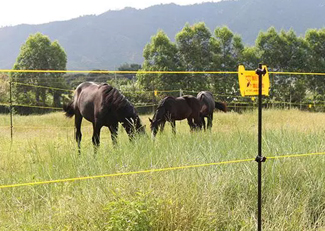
column 86, row 89
column 193, row 102
column 207, row 102
column 178, row 108
column 203, row 94
column 193, row 105
column 89, row 99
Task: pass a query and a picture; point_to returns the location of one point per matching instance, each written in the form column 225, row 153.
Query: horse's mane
column 115, row 98
column 164, row 100
column 116, row 101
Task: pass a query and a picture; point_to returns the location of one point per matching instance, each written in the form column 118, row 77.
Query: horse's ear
column 150, row 120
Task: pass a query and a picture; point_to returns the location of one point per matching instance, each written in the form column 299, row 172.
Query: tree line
column 195, row 48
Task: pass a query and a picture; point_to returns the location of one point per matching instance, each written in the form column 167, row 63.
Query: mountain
column 115, row 37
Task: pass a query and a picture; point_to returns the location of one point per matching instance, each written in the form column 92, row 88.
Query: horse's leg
column 203, row 122
column 198, row 122
column 172, row 122
column 96, row 134
column 210, row 118
column 190, row 123
column 113, row 129
column 77, row 124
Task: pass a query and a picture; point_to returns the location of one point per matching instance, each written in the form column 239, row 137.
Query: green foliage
column 196, row 49
column 136, row 213
column 250, row 58
column 316, row 62
column 125, row 79
column 315, row 39
column 227, row 55
column 4, row 92
column 194, row 44
column 39, row 53
column 285, row 51
column 4, row 88
column 160, row 55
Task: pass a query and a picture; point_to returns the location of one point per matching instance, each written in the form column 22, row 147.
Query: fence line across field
column 59, row 108
column 71, row 90
column 231, row 104
column 153, row 170
column 153, row 72
column 178, row 90
column 40, row 86
column 118, row 72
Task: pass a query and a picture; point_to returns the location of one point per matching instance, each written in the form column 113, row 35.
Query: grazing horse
column 171, row 109
column 207, row 106
column 103, row 105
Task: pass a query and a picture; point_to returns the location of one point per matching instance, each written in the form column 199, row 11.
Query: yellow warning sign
column 248, row 82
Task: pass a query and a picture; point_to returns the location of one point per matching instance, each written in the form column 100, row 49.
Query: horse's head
column 153, row 127
column 157, row 119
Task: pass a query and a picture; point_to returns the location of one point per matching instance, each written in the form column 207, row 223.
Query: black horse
column 103, row 105
column 207, row 106
column 171, row 109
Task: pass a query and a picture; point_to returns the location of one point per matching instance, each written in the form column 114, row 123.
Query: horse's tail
column 221, row 106
column 69, row 109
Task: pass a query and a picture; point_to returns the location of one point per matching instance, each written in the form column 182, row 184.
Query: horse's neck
column 126, row 112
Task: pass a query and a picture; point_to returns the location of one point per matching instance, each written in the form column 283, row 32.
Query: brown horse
column 171, row 109
column 207, row 106
column 103, row 105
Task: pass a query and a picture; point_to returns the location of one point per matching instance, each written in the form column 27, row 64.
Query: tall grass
column 222, row 197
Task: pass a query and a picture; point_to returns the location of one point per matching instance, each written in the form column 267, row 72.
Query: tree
column 4, row 88
column 284, row 51
column 316, row 42
column 160, row 55
column 250, row 58
column 194, row 48
column 39, row 53
column 129, row 67
column 130, row 77
column 316, row 62
column 271, row 45
column 227, row 52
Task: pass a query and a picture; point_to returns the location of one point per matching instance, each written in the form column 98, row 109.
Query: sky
column 14, row 12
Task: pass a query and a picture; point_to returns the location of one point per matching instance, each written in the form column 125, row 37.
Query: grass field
column 222, row 197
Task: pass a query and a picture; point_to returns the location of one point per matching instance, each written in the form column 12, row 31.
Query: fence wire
column 153, row 72
column 232, row 104
column 153, row 170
